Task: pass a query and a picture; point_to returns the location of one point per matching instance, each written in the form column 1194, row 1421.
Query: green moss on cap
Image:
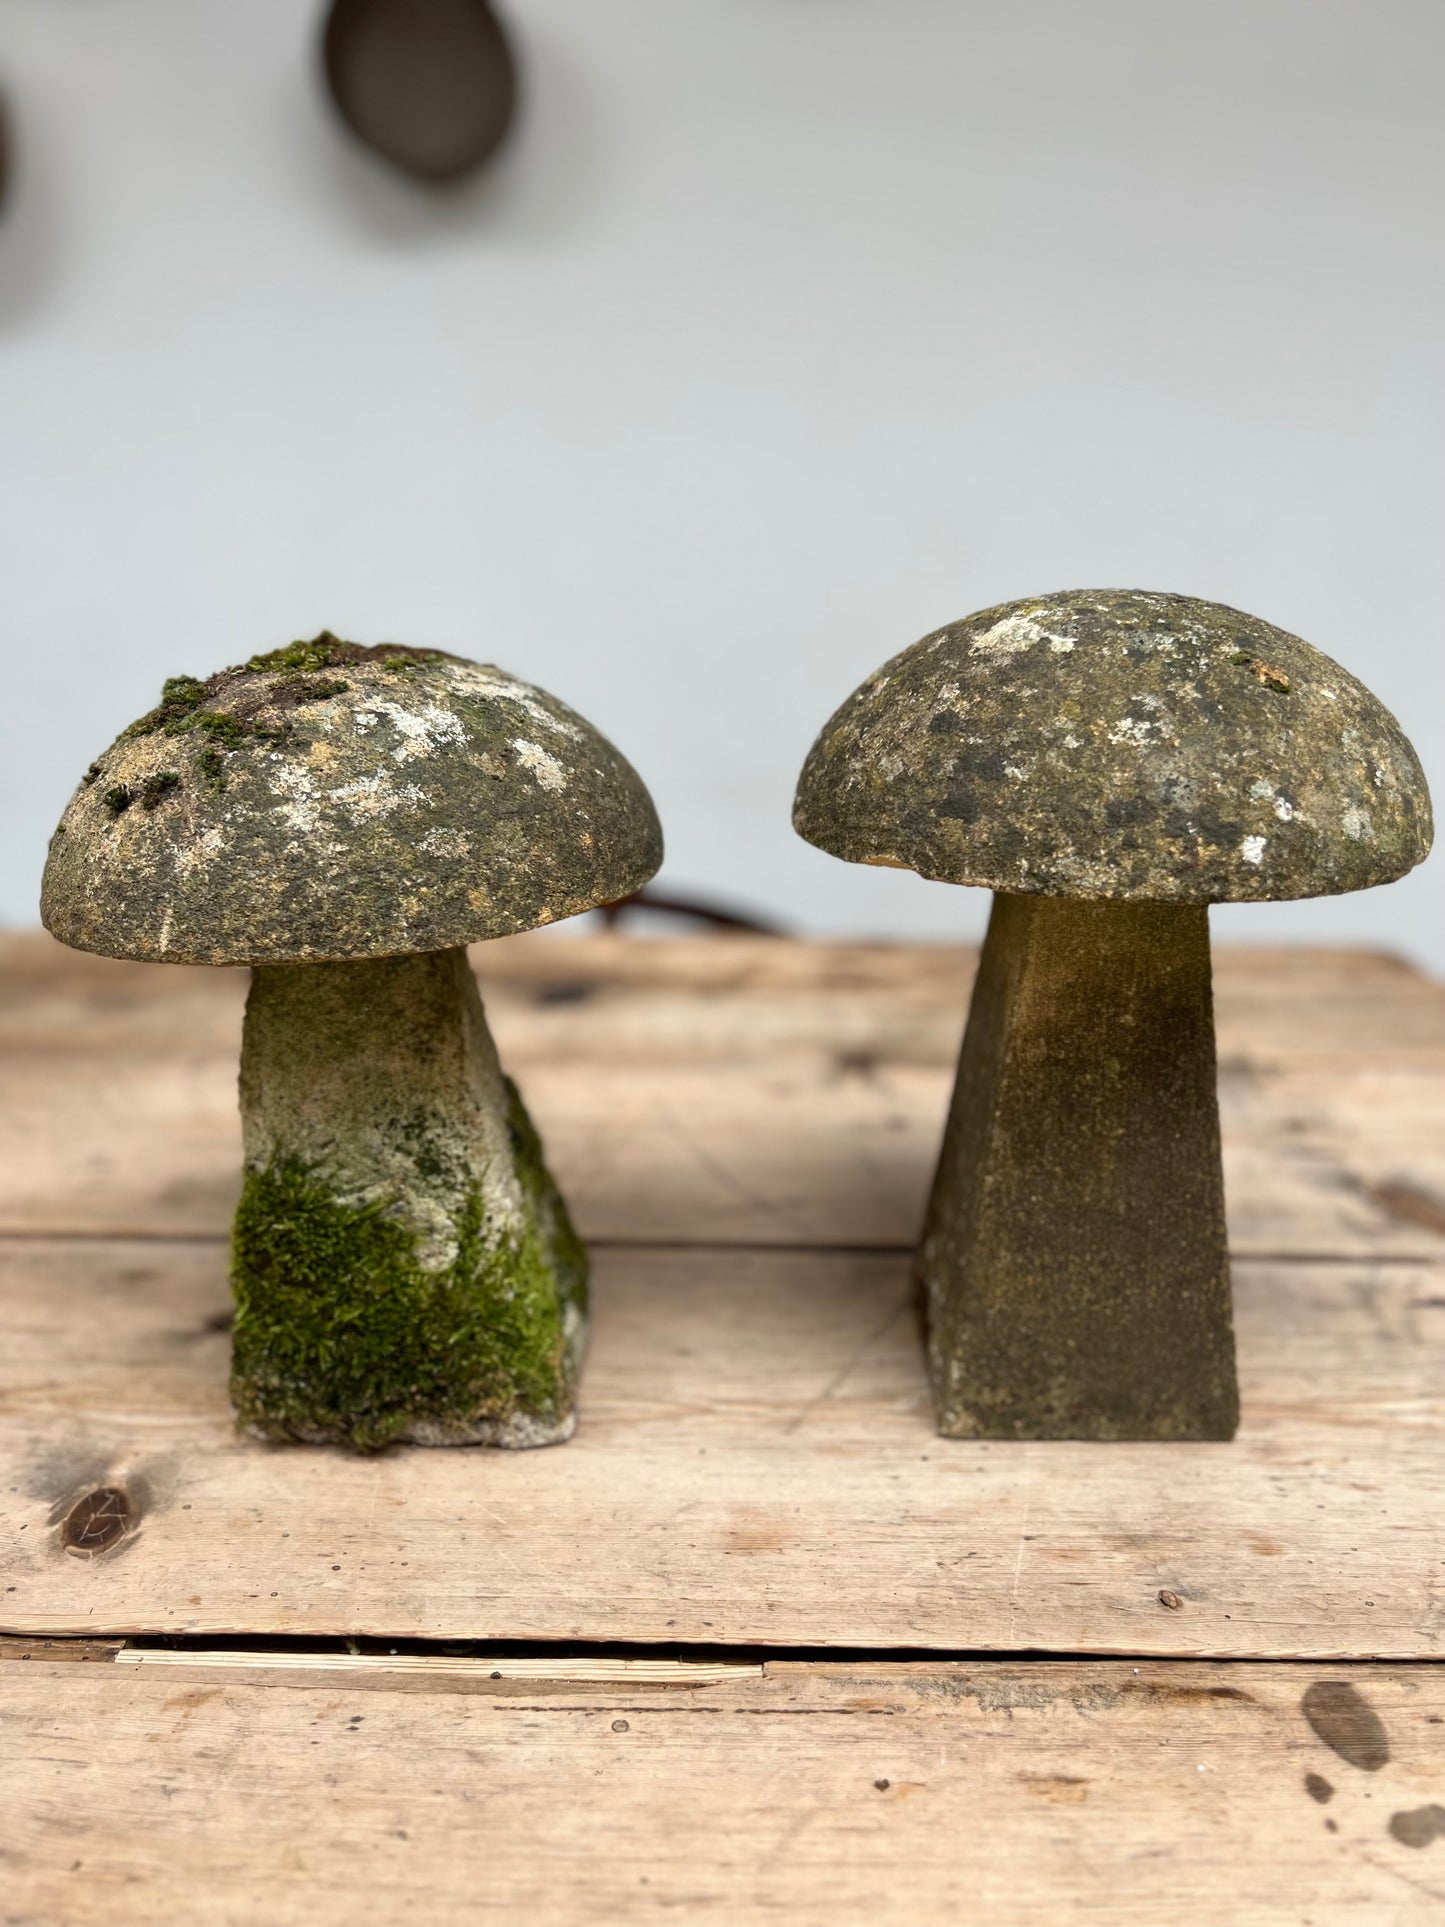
column 334, row 801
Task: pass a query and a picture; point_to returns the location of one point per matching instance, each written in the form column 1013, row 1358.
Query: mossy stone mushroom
column 345, row 820
column 1109, row 763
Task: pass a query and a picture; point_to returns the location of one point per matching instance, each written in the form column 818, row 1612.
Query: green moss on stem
column 546, row 1204
column 342, row 1334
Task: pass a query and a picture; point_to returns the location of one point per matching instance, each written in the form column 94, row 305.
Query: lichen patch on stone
column 1007, row 637
column 420, row 730
column 547, row 770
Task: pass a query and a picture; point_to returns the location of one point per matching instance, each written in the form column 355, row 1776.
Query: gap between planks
column 611, row 1665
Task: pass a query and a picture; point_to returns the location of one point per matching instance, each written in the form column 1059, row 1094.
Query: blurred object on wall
column 5, row 168
column 428, row 84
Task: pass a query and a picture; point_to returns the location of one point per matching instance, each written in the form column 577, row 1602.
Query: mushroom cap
column 329, row 801
column 1118, row 743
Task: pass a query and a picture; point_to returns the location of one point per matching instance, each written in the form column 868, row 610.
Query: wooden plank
column 70, row 1651
column 755, row 1464
column 737, row 1090
column 1293, row 1001
column 432, row 1666
column 732, row 1154
column 1132, row 1793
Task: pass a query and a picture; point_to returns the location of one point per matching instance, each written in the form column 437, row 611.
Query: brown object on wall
column 713, row 916
column 428, row 84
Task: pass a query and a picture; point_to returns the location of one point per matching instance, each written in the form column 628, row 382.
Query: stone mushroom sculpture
column 1109, row 763
column 345, row 820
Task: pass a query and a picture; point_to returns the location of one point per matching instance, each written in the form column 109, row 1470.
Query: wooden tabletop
column 755, row 1644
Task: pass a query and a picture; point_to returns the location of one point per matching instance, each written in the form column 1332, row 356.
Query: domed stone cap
column 1117, row 743
column 330, row 801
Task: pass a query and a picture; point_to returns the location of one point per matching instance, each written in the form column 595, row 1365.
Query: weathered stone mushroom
column 345, row 820
column 1109, row 763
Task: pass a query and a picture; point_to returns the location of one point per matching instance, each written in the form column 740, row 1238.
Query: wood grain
column 1125, row 1792
column 755, row 1463
column 730, row 1091
column 756, row 1468
column 432, row 1667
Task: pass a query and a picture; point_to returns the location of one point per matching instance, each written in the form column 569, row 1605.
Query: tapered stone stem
column 403, row 1263
column 1074, row 1261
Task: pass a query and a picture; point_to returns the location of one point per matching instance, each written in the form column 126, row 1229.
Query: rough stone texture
column 1113, row 743
column 331, row 801
column 404, row 1267
column 1073, row 1261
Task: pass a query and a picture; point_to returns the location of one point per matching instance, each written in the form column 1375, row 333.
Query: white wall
column 785, row 331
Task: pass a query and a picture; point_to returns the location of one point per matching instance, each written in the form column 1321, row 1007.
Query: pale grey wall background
column 786, row 330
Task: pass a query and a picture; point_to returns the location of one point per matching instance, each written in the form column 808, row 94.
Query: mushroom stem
column 1074, row 1260
column 403, row 1264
